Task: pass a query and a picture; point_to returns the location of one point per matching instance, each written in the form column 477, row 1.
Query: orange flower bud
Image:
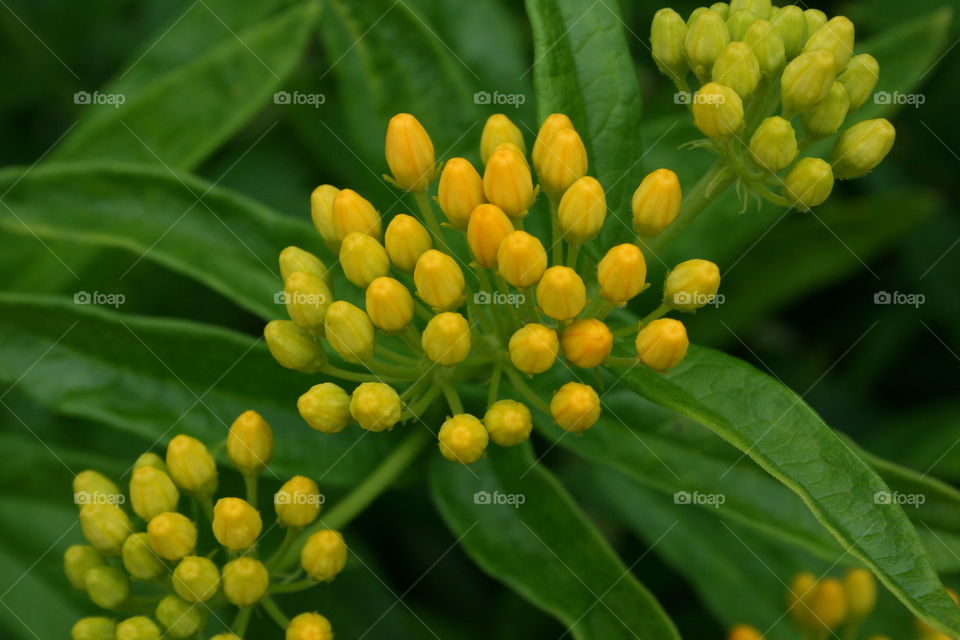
column 488, row 226
column 410, row 153
column 460, row 191
column 507, row 183
column 587, row 343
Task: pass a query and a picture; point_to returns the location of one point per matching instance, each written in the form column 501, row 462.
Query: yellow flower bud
column 78, row 559
column 196, row 579
column 691, row 285
column 352, row 212
column 521, row 259
column 582, row 210
column 499, row 129
column 93, row 629
column 349, row 331
column 406, row 240
column 862, row 147
column 561, row 293
column 507, row 183
column 737, row 68
column 375, row 406
column 575, row 407
column 325, row 407
column 225, row 636
column 138, row 628
column 180, row 618
column 446, row 339
column 324, row 555
column 551, row 125
column 307, row 299
column 859, row 78
column 245, row 581
column 150, row 459
column 172, row 536
column 744, row 632
column 363, row 259
column 389, row 304
column 760, row 8
column 463, row 439
column 707, row 35
column 105, row 526
column 667, row 34
column 828, row 604
column 836, row 36
column 622, row 273
column 321, row 212
column 767, row 46
column 815, row 19
column 190, row 465
column 738, row 23
column 249, row 443
column 293, row 259
column 139, row 559
column 722, row 8
column 297, row 503
column 92, row 487
column 656, row 202
column 806, row 81
column 108, row 587
column 236, row 524
column 861, row 591
column 410, row 153
column 533, row 348
column 488, row 226
column 152, row 492
column 773, row 145
column 294, row 347
column 798, row 599
column 717, row 111
column 508, row 422
column 791, row 26
column 309, row 626
column 662, row 344
column 460, row 191
column 823, row 120
column 439, row 281
column 586, row 343
column 564, row 162
column 809, row 183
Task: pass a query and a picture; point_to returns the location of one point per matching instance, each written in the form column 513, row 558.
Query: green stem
column 241, row 622
column 659, row 312
column 394, row 371
column 250, row 484
column 695, row 201
column 529, row 305
column 504, row 288
column 556, row 244
column 494, row 385
column 572, row 255
column 398, row 358
column 346, row 374
column 627, row 330
column 525, row 389
column 453, row 399
column 412, row 337
column 618, row 361
column 288, row 538
column 293, row 587
column 426, row 209
column 274, row 611
column 604, row 309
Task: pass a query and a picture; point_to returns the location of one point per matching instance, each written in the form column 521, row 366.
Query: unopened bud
column 446, row 339
column 349, row 331
column 105, row 526
column 737, row 68
column 622, row 273
column 352, row 212
column 744, row 632
column 439, row 280
column 806, row 81
column 325, row 407
column 180, row 618
column 297, row 503
column 108, row 587
column 507, row 183
column 406, row 240
column 489, row 225
column 691, row 285
column 150, row 459
column 93, row 628
column 791, row 25
column 460, row 191
column 137, row 628
column 245, row 581
column 363, row 259
column 575, row 407
column 521, row 259
column 140, row 560
column 759, row 8
column 375, row 406
column 551, row 125
column 707, row 35
column 722, row 8
column 862, row 147
column 773, row 145
column 798, row 599
column 249, row 442
column 90, row 487
column 824, row 119
column 561, row 293
column 767, row 46
column 499, row 129
column 309, row 626
column 294, row 347
column 172, row 536
column 738, row 23
column 828, row 605
column 667, row 34
column 859, row 78
column 389, row 304
column 79, row 559
column 324, row 555
column 861, row 591
column 410, row 153
column 586, row 343
column 463, row 439
column 152, row 492
column 236, row 524
column 533, row 348
column 321, row 212
column 294, row 259
column 307, row 299
column 564, row 162
column 196, row 579
column 662, row 344
column 190, row 465
column 656, row 202
column 717, row 111
column 836, row 36
column 809, row 183
column 582, row 210
column 508, row 422
column 814, row 19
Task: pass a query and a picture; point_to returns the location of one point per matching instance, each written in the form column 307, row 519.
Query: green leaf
column 788, row 439
column 177, row 118
column 218, row 237
column 544, row 549
column 157, row 378
column 582, row 67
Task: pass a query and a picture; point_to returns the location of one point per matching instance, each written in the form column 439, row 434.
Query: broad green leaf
column 772, row 425
column 582, row 67
column 177, row 118
column 157, row 378
column 218, row 237
column 544, row 548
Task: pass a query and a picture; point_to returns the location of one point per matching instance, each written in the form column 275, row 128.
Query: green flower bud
column 180, row 618
column 824, row 119
column 767, row 46
column 773, row 145
column 105, row 526
column 152, row 492
column 717, row 111
column 108, row 587
column 862, row 147
column 759, row 8
column 250, row 442
column 738, row 23
column 707, row 35
column 809, row 183
column 349, row 331
column 294, row 347
column 293, row 259
column 667, row 35
column 306, row 298
column 79, row 559
column 138, row 628
column 196, row 579
column 721, row 8
column 806, row 81
column 814, row 19
column 836, row 36
column 190, row 465
column 245, row 581
column 791, row 25
column 324, row 555
column 92, row 487
column 737, row 68
column 325, row 407
column 171, row 535
column 93, row 629
column 140, row 560
column 859, row 78
column 150, row 459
